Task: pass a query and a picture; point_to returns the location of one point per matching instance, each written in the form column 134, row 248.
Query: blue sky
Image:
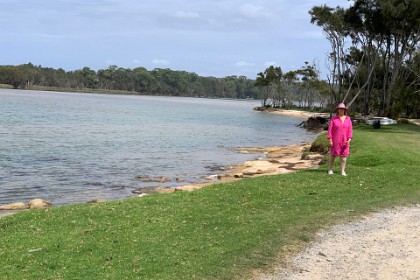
column 209, row 37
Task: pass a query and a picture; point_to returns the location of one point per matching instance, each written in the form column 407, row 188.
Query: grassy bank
column 224, row 231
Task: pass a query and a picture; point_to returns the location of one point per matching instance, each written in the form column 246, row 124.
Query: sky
column 208, row 37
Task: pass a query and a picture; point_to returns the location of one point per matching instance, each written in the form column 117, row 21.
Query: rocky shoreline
column 274, row 160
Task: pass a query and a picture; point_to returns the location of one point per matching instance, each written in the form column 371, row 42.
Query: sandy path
column 384, row 245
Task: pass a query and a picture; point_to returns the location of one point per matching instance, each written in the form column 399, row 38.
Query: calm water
column 71, row 148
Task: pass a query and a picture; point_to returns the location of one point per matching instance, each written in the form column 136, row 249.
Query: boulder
column 315, row 157
column 14, row 206
column 211, row 177
column 39, row 203
column 188, row 188
column 250, row 171
column 165, row 190
column 95, row 201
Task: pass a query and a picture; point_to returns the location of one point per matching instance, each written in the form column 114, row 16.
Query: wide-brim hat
column 341, row 106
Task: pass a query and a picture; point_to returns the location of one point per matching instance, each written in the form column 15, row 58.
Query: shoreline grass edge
column 223, row 231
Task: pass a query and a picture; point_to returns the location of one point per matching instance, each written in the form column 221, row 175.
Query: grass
column 225, row 231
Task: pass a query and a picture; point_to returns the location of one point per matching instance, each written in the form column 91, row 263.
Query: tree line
column 137, row 81
column 373, row 67
column 374, row 62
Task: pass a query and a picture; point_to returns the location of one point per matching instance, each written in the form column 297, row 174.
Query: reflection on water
column 71, row 148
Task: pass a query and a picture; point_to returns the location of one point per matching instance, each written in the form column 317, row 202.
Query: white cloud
column 270, row 63
column 244, row 64
column 253, row 11
column 136, row 61
column 188, row 15
column 161, row 62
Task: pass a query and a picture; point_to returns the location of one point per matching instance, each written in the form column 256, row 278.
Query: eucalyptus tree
column 144, row 82
column 308, row 77
column 387, row 34
column 331, row 20
column 407, row 101
column 13, row 76
column 388, row 30
column 270, row 84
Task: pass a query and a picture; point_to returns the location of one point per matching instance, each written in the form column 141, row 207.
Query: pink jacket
column 340, row 132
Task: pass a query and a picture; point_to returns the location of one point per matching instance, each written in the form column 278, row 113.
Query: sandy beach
column 298, row 114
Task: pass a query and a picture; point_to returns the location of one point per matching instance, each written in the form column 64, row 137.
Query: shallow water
column 71, row 148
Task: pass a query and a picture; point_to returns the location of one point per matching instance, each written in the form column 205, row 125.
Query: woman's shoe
column 330, row 172
column 343, row 173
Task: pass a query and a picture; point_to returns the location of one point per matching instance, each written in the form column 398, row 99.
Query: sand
column 383, row 245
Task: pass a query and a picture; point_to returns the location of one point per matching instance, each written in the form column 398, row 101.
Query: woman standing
column 340, row 133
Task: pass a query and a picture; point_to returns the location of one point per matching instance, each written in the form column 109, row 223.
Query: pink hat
column 341, row 106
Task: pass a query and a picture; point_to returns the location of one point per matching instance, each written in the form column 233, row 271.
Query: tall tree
column 386, row 32
column 270, row 83
column 331, row 20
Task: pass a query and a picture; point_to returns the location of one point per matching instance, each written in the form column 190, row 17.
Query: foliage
column 225, row 231
column 372, row 71
column 137, row 81
column 301, row 88
column 320, row 145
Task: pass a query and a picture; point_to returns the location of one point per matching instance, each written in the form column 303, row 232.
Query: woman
column 340, row 133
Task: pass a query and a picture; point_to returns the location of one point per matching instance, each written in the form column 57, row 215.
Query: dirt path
column 384, row 245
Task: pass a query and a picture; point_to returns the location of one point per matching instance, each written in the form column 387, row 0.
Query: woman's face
column 340, row 112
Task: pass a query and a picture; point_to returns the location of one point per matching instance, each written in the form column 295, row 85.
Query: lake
column 75, row 147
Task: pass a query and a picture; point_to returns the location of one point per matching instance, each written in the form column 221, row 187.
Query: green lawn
column 224, row 231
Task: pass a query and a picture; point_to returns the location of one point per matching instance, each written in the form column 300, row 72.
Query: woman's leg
column 331, row 161
column 343, row 165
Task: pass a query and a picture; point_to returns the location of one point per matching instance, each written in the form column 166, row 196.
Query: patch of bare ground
column 383, row 245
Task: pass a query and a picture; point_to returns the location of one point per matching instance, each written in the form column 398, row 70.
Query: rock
column 250, row 171
column 146, row 190
column 188, row 188
column 144, row 178
column 315, row 157
column 256, row 171
column 238, row 175
column 211, row 177
column 179, row 180
column 161, row 179
column 224, row 175
column 39, row 203
column 94, row 201
column 165, row 190
column 14, row 206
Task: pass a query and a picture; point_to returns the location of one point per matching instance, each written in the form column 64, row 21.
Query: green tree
column 270, row 83
column 13, row 76
column 387, row 34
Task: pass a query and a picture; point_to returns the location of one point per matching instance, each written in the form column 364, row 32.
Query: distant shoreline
column 293, row 113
